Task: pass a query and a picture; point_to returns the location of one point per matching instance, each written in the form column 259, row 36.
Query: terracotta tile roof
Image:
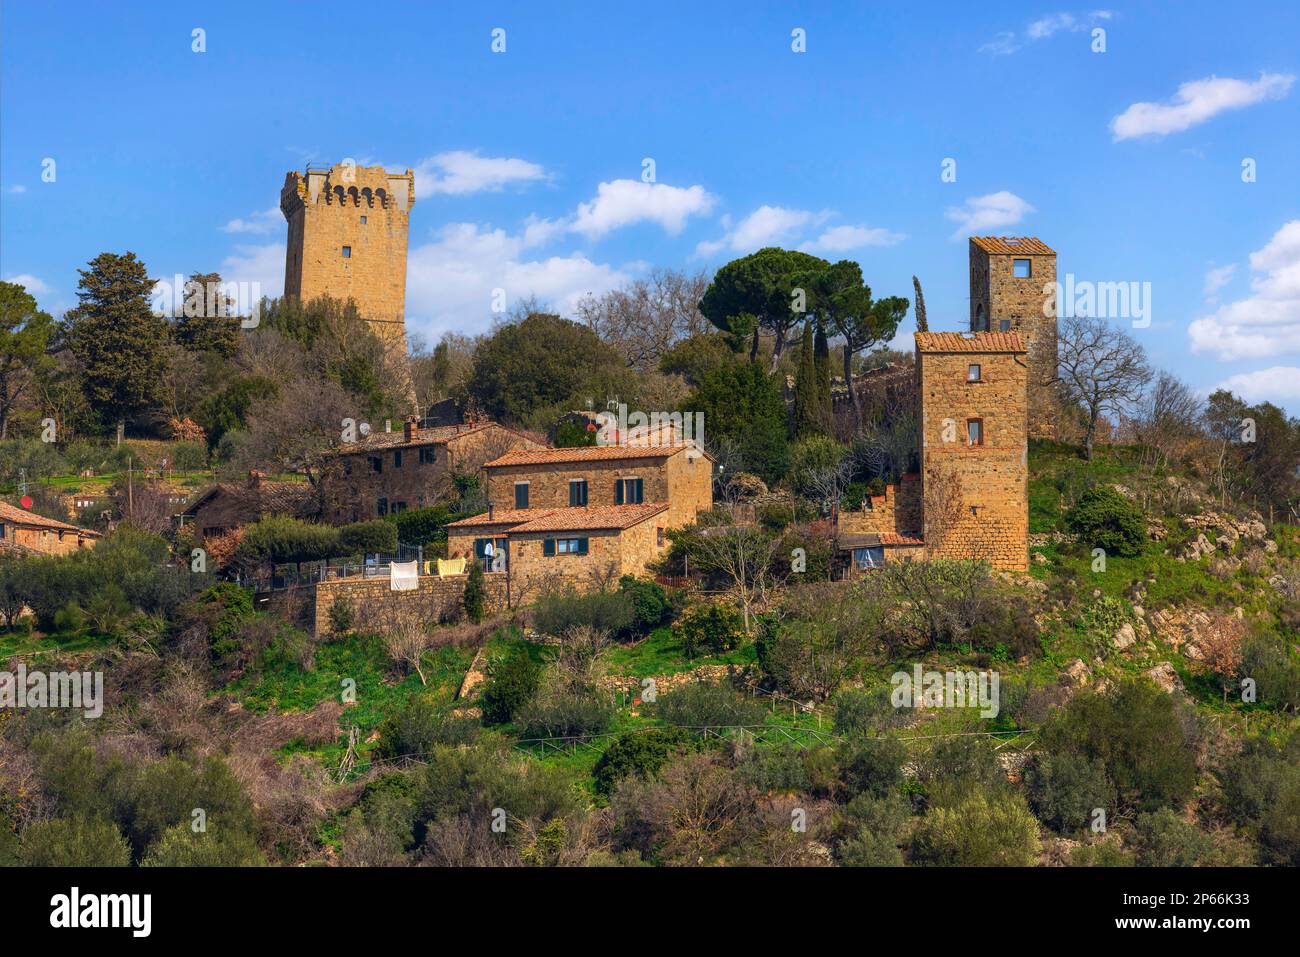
column 505, row 516
column 891, row 538
column 1010, row 245
column 590, row 453
column 278, row 498
column 565, row 519
column 20, row 516
column 592, row 517
column 970, row 342
column 437, row 435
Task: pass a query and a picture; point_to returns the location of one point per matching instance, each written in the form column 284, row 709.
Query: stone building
column 24, row 531
column 583, row 515
column 390, row 472
column 225, row 506
column 348, row 239
column 1013, row 289
column 970, row 499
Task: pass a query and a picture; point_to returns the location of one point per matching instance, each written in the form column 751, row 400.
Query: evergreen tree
column 24, row 335
column 475, row 593
column 742, row 405
column 806, row 419
column 116, row 337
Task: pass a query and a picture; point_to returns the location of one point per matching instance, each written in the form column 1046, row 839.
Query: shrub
column 705, row 704
column 709, row 628
column 866, row 712
column 872, row 767
column 422, row 526
column 560, row 714
column 512, row 682
column 342, row 616
column 1007, row 626
column 368, row 538
column 475, row 597
column 811, row 459
column 1275, row 666
column 188, row 456
column 1137, row 734
column 277, row 539
column 1103, row 518
column 641, row 753
column 1168, row 841
column 650, row 607
column 983, row 830
column 180, row 846
column 612, row 613
column 1064, row 789
column 76, row 841
column 419, row 726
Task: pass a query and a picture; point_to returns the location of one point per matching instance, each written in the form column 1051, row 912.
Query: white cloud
column 765, row 226
column 984, row 213
column 260, row 264
column 1216, row 279
column 450, row 280
column 839, row 239
column 29, row 282
column 1266, row 323
column 1277, row 384
column 627, row 201
column 1008, row 42
column 458, row 172
column 263, row 222
column 17, row 188
column 1197, row 101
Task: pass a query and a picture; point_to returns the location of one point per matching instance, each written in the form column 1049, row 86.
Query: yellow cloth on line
column 450, row 566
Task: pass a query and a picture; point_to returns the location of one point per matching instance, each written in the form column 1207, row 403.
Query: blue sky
column 529, row 162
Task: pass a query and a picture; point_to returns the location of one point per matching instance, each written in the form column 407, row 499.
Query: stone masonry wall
column 373, row 601
column 991, row 479
column 1032, row 312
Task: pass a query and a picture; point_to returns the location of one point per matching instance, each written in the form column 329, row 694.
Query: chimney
column 411, row 430
column 254, row 478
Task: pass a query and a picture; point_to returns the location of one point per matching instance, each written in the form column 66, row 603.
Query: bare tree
column 741, row 553
column 1167, row 424
column 1101, row 369
column 645, row 318
column 407, row 634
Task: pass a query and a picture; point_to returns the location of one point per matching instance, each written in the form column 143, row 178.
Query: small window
column 347, row 252
column 521, row 495
column 577, row 492
column 981, row 320
column 397, row 508
column 397, row 458
column 376, row 463
column 428, row 455
column 382, row 507
column 629, row 491
column 363, row 219
column 659, row 536
column 973, row 372
column 974, row 432
column 1020, row 268
column 571, row 546
column 1004, row 325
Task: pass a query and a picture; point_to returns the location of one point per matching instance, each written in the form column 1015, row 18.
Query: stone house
column 389, row 472
column 24, row 531
column 225, row 506
column 582, row 515
column 970, row 499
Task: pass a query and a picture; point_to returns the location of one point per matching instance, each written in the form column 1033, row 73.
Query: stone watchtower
column 972, row 433
column 1013, row 289
column 347, row 240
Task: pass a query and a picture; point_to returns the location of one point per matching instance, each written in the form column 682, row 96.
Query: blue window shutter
column 640, row 491
column 582, row 546
column 618, row 492
column 548, row 547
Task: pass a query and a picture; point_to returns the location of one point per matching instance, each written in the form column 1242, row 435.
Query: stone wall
column 1031, row 310
column 373, row 601
column 897, row 512
column 976, row 498
column 366, row 209
column 687, row 486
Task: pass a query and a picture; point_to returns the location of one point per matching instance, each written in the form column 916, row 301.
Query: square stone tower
column 973, row 437
column 1013, row 289
column 347, row 239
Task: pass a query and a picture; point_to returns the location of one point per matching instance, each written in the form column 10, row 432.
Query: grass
column 660, row 653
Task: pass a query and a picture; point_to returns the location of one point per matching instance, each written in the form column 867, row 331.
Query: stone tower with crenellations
column 347, row 239
column 1013, row 289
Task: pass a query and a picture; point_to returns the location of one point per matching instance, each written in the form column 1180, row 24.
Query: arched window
column 981, row 320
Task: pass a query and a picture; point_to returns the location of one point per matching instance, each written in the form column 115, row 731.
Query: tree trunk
column 121, row 430
column 777, row 348
column 1088, row 437
column 853, row 393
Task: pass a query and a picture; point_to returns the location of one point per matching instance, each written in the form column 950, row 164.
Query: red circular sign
column 25, row 501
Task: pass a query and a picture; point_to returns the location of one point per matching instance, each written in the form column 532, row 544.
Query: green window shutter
column 582, row 546
column 639, row 487
column 521, row 496
column 548, row 547
column 618, row 492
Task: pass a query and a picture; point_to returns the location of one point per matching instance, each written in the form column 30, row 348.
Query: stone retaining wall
column 372, row 600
